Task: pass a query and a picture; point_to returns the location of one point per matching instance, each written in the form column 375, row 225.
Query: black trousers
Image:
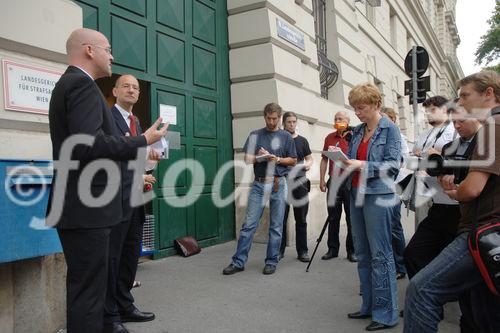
column 86, row 254
column 124, row 250
column 301, row 192
column 128, row 263
column 117, row 238
column 433, row 234
column 334, row 215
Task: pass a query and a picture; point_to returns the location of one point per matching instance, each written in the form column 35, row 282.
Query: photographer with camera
column 453, row 271
column 439, row 228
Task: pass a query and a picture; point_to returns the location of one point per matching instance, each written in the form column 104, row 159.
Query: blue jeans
column 398, row 239
column 450, row 274
column 371, row 231
column 259, row 195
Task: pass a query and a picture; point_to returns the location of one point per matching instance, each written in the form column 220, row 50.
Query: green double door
column 180, row 48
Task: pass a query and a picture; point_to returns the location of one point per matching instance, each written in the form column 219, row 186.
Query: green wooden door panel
column 206, row 218
column 204, row 119
column 180, row 47
column 204, row 68
column 170, row 57
column 171, row 14
column 128, row 41
column 135, row 6
column 177, row 100
column 203, row 22
column 207, row 156
column 173, row 223
column 181, row 181
column 90, row 16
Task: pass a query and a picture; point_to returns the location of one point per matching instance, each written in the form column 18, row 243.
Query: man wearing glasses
column 76, row 107
column 125, row 238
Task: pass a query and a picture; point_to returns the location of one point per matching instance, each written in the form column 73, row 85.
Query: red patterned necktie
column 133, row 128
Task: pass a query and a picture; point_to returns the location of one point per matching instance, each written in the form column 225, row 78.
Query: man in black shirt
column 298, row 189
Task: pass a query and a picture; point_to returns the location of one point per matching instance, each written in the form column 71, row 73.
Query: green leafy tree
column 489, row 47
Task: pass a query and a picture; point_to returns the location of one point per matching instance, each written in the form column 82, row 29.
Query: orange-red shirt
column 362, row 155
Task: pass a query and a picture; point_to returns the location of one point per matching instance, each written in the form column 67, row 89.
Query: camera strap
column 438, row 135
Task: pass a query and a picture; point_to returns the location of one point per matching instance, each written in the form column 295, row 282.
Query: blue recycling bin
column 25, row 187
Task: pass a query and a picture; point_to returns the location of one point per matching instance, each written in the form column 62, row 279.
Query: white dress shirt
column 125, row 114
column 435, row 137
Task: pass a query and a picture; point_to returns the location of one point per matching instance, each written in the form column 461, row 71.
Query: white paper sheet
column 335, row 155
column 432, row 189
column 168, row 113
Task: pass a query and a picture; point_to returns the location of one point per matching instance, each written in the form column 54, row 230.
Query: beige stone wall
column 367, row 44
column 370, row 44
column 265, row 68
column 33, row 32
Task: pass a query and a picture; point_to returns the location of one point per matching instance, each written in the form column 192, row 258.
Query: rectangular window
column 393, row 26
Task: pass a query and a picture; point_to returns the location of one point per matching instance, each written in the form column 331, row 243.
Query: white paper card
column 335, row 155
column 168, row 113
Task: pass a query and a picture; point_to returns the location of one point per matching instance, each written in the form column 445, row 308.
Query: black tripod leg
column 317, row 244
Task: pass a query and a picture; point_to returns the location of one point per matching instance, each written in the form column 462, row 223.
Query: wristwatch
column 278, row 160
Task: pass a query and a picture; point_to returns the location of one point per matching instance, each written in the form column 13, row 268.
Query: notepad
column 262, row 158
column 335, row 155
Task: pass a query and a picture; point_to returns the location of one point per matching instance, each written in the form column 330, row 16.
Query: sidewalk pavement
column 190, row 295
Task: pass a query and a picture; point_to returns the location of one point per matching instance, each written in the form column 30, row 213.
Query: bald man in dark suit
column 77, row 106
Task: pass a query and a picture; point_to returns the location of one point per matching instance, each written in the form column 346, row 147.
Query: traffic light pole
column 414, row 78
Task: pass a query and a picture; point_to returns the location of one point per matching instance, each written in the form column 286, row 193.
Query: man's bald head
column 82, row 36
column 90, row 50
column 126, row 77
column 341, row 116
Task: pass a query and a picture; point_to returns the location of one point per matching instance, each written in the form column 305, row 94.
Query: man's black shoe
column 231, row 269
column 137, row 316
column 357, row 315
column 304, row 257
column 330, row 255
column 352, row 257
column 115, row 328
column 269, row 269
column 374, row 326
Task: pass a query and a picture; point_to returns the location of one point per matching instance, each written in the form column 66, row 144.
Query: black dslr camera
column 437, row 165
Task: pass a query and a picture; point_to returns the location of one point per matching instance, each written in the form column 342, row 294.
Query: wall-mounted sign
column 168, row 113
column 290, row 34
column 27, row 88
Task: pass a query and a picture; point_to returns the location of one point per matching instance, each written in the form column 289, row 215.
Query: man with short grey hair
column 338, row 139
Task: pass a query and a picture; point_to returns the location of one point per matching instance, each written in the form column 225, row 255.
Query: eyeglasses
column 128, row 86
column 105, row 48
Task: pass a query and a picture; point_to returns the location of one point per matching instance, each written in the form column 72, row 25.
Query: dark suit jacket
column 127, row 175
column 77, row 106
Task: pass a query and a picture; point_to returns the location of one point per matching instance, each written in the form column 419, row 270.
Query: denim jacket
column 384, row 158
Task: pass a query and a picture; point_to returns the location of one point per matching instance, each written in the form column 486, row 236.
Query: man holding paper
column 125, row 238
column 271, row 151
column 78, row 113
column 336, row 144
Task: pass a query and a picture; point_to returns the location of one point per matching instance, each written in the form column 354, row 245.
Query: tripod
column 317, row 243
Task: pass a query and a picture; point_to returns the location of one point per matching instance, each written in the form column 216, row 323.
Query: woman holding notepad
column 374, row 158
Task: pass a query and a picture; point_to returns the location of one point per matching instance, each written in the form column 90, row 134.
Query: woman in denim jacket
column 375, row 155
